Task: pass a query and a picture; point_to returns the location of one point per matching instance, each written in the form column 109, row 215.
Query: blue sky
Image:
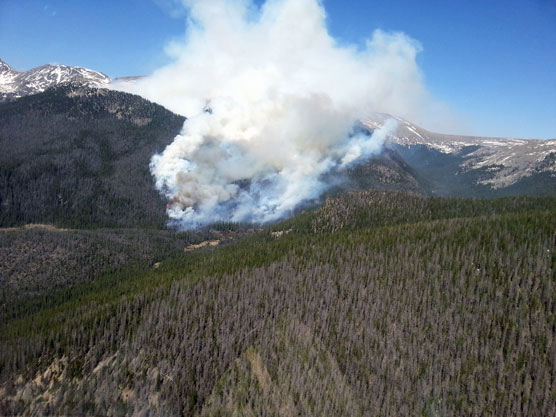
column 492, row 61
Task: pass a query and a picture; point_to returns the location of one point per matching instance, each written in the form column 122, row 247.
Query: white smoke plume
column 272, row 102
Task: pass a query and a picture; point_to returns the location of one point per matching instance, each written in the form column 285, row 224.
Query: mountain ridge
column 15, row 84
column 494, row 164
column 413, row 158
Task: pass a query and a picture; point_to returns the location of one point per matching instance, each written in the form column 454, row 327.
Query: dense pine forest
column 375, row 303
column 79, row 157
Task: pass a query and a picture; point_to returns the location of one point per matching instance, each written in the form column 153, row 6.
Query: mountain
column 64, row 152
column 7, row 79
column 14, row 84
column 77, row 156
column 414, row 159
column 387, row 171
column 451, row 165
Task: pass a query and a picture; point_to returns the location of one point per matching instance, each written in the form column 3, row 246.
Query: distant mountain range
column 15, row 84
column 468, row 166
column 413, row 159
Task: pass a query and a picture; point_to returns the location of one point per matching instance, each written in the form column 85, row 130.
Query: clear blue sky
column 492, row 61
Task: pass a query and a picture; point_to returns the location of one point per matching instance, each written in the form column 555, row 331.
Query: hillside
column 79, row 157
column 317, row 316
column 36, row 259
column 467, row 166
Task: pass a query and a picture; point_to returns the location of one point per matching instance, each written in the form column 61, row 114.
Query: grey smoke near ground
column 272, row 101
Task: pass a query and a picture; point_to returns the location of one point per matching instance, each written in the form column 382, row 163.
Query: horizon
column 464, row 46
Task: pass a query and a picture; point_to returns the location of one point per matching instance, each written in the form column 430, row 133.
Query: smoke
column 273, row 103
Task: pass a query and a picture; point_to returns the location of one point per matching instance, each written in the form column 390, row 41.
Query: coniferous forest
column 370, row 303
column 376, row 303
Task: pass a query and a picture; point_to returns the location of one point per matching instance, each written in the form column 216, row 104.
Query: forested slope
column 79, row 157
column 38, row 259
column 375, row 304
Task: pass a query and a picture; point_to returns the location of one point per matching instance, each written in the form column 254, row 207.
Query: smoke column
column 272, row 102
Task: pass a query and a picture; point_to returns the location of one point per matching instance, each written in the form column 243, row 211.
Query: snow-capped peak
column 5, row 68
column 7, row 78
column 15, row 84
column 508, row 159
